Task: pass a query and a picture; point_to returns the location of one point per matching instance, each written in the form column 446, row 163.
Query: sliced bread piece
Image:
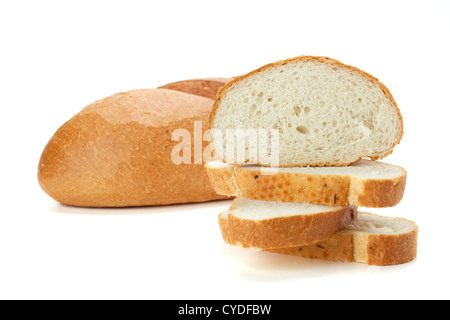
column 273, row 224
column 327, row 114
column 365, row 183
column 370, row 239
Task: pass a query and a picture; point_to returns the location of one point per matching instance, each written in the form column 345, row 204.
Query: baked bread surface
column 117, row 151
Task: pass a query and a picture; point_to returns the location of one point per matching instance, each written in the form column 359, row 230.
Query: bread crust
column 331, row 190
column 339, row 247
column 371, row 249
column 223, row 181
column 221, row 93
column 284, row 231
column 207, row 88
column 381, row 193
column 117, row 152
column 384, row 250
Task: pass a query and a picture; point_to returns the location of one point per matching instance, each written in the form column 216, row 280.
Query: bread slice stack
column 325, row 121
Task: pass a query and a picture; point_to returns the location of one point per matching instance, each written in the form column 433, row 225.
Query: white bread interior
column 366, row 169
column 326, row 113
column 376, row 225
column 262, row 210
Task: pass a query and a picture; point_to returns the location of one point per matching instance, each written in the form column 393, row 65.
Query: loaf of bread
column 323, row 112
column 117, row 152
column 370, row 239
column 273, row 224
column 366, row 183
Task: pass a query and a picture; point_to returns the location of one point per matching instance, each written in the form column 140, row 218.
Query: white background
column 58, row 56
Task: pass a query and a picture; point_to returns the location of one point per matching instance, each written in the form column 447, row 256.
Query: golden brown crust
column 371, row 249
column 117, row 152
column 284, row 231
column 382, row 193
column 221, row 93
column 222, row 180
column 207, row 88
column 331, row 190
column 337, row 248
column 385, row 250
column 286, row 187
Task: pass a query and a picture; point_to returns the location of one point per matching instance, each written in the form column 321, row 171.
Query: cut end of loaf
column 325, row 113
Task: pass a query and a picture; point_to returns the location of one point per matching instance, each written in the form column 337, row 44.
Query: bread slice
column 272, row 224
column 365, row 183
column 370, row 239
column 326, row 113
